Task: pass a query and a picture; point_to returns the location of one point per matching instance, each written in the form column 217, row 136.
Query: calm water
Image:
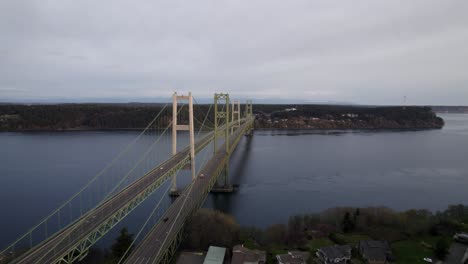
column 282, row 172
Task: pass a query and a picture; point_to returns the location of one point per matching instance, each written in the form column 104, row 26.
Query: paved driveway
column 456, row 253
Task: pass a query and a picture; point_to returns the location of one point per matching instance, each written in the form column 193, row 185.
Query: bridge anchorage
column 71, row 240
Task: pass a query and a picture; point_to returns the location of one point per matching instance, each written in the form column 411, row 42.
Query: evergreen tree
column 122, row 243
column 348, row 223
column 441, row 248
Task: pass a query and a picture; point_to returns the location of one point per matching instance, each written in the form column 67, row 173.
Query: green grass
column 348, row 239
column 357, row 261
column 250, row 243
column 315, row 244
column 414, row 250
column 410, row 252
column 353, row 238
column 274, row 250
column 277, row 249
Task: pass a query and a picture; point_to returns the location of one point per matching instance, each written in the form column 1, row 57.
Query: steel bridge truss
column 171, row 248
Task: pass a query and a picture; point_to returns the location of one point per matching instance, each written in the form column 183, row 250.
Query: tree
column 276, row 234
column 209, row 227
column 296, row 230
column 348, row 223
column 441, row 248
column 122, row 243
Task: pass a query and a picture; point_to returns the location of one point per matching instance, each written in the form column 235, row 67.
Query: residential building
column 215, row 255
column 375, row 252
column 243, row 255
column 293, row 257
column 336, row 254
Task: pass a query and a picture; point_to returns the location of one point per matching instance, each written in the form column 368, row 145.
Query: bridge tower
column 249, row 114
column 222, row 184
column 248, row 109
column 236, row 117
column 176, row 127
column 221, row 116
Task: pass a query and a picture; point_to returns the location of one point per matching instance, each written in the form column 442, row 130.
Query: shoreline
column 259, row 129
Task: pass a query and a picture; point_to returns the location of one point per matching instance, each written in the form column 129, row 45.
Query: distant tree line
column 92, row 116
column 340, row 116
column 137, row 116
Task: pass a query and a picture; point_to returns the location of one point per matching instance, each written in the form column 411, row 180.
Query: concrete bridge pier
column 222, row 185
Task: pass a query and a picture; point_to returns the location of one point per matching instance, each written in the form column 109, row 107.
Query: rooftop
column 336, row 251
column 293, row 257
column 215, row 255
column 241, row 254
column 374, row 249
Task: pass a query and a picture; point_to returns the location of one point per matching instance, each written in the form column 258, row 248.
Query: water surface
column 279, row 173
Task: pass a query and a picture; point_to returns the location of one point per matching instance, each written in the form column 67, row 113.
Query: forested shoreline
column 21, row 117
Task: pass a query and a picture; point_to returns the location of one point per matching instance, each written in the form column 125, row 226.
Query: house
column 215, row 255
column 243, row 255
column 293, row 257
column 375, row 252
column 334, row 254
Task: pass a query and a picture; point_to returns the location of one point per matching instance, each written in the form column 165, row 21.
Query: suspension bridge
column 67, row 234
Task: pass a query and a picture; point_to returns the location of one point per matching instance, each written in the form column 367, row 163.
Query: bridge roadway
column 61, row 247
column 155, row 245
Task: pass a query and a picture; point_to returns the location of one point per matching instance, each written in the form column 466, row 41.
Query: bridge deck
column 60, row 244
column 155, row 243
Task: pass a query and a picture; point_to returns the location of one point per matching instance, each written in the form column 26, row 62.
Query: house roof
column 241, row 254
column 374, row 249
column 215, row 255
column 294, row 257
column 335, row 251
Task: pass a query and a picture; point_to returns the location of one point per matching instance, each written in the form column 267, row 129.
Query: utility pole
column 176, row 127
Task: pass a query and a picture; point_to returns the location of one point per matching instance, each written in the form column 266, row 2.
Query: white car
column 428, row 260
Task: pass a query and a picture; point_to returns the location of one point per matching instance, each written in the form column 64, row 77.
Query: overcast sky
column 365, row 52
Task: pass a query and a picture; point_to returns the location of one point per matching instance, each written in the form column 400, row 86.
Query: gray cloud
column 371, row 52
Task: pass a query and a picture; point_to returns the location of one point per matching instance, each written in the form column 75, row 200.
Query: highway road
column 160, row 237
column 63, row 242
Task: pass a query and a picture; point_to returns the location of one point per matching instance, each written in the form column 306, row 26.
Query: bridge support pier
column 222, row 184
